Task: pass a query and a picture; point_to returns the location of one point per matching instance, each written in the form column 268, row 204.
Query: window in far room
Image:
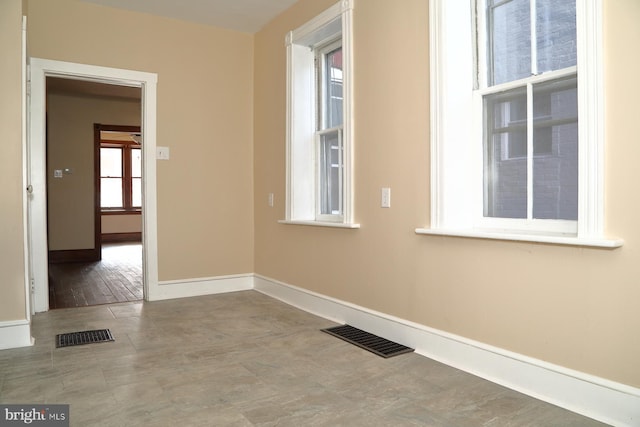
column 120, row 172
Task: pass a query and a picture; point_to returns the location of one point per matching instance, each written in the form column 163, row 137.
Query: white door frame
column 40, row 69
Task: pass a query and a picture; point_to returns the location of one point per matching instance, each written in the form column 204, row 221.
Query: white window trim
column 301, row 116
column 454, row 191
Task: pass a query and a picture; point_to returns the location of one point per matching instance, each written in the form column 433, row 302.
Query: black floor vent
column 373, row 343
column 84, row 337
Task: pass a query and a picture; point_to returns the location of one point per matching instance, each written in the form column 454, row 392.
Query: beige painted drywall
column 12, row 275
column 204, row 115
column 121, row 224
column 70, row 145
column 575, row 307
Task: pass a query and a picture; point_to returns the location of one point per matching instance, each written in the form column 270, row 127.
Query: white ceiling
column 247, row 16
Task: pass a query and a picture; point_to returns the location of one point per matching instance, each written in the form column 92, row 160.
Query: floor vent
column 373, row 343
column 84, row 337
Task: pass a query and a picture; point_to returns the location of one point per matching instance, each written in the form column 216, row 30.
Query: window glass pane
column 556, row 34
column 111, row 192
column 555, row 144
column 111, row 162
column 136, row 162
column 510, row 40
column 136, row 192
column 333, row 86
column 505, row 172
column 330, row 174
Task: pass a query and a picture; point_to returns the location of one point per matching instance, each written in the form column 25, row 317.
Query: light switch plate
column 162, row 153
column 385, row 197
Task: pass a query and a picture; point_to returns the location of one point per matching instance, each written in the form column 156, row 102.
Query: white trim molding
column 603, row 400
column 171, row 289
column 320, row 224
column 25, row 176
column 40, row 69
column 473, row 233
column 591, row 132
column 15, row 334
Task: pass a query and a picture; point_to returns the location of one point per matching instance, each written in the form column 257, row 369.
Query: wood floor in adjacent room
column 245, row 359
column 116, row 278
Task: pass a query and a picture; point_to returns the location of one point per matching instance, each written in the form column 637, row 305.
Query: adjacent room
column 94, row 199
column 453, row 176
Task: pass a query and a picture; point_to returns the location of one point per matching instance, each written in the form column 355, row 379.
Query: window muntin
column 530, row 111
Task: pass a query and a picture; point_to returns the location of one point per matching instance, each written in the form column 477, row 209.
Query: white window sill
column 536, row 238
column 319, row 223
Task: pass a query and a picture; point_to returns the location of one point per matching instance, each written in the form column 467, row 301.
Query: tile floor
column 245, row 359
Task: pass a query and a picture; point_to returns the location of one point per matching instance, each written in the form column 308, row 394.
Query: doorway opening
column 69, row 234
column 94, row 193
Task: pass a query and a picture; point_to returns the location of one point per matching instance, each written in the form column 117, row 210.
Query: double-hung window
column 517, row 120
column 527, row 98
column 319, row 125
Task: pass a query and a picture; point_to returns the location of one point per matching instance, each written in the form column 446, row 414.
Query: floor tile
column 244, row 359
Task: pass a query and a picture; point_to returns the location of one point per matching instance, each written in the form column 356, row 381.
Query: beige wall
column 121, row 224
column 575, row 307
column 205, row 108
column 12, row 300
column 70, row 142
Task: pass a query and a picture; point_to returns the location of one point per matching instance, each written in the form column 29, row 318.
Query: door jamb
column 40, row 69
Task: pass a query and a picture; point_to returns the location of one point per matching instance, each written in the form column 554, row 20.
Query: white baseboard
column 603, row 400
column 15, row 334
column 197, row 287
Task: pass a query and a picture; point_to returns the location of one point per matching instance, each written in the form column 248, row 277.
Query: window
column 319, row 130
column 526, row 79
column 528, row 85
column 120, row 176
